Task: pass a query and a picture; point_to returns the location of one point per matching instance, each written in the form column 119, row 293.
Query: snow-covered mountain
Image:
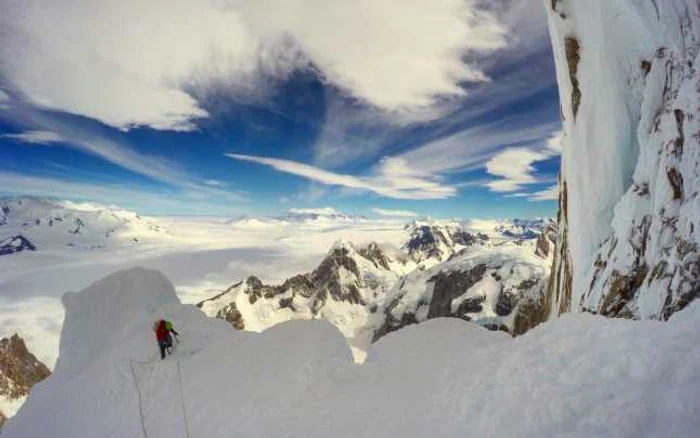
column 344, row 289
column 37, row 224
column 298, row 216
column 368, row 291
column 432, row 242
column 578, row 376
column 501, row 288
column 318, row 214
column 19, row 372
column 629, row 207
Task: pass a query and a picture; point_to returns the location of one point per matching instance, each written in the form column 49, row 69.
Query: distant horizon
column 400, row 215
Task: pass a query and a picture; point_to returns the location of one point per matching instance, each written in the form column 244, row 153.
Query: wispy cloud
column 168, row 47
column 35, row 137
column 471, row 148
column 515, row 168
column 42, row 128
column 4, row 100
column 127, row 196
column 392, row 178
column 394, row 213
column 549, row 194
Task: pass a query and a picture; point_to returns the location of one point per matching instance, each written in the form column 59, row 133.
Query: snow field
column 577, row 376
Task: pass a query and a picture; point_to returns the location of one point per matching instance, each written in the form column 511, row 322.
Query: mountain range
column 490, row 277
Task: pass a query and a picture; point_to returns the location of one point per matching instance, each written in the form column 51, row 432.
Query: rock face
column 546, row 242
column 19, row 370
column 498, row 288
column 433, row 242
column 629, row 208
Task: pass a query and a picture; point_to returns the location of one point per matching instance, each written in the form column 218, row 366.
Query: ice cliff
column 629, row 209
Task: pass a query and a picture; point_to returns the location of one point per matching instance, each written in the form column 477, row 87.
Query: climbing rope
column 182, row 399
column 138, row 391
column 140, row 397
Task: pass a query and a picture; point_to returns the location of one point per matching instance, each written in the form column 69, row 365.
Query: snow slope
column 28, row 223
column 629, row 202
column 578, row 376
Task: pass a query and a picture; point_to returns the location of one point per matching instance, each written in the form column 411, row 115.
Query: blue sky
column 445, row 108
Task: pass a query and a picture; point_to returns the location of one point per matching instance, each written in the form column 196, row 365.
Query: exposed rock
column 373, row 253
column 450, row 285
column 20, row 370
column 471, row 305
column 15, row 244
column 573, row 58
column 439, row 242
column 327, row 277
column 546, row 242
column 230, row 314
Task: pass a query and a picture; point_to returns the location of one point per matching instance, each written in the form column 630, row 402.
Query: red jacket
column 161, row 331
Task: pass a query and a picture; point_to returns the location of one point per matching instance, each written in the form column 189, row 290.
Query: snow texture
column 578, row 376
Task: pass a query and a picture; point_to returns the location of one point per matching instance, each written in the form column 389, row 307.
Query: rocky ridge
column 20, row 370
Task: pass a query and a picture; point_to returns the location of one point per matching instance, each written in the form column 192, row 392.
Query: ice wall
column 628, row 244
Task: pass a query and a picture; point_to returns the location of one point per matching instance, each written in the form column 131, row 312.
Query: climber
column 163, row 329
column 171, row 329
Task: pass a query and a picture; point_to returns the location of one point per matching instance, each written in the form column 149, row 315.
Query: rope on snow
column 138, row 391
column 182, row 399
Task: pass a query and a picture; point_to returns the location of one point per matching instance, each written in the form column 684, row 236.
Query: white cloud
column 215, row 183
column 472, row 147
column 515, row 166
column 133, row 197
column 35, row 137
column 141, row 63
column 392, row 178
column 394, row 213
column 4, row 99
column 46, row 129
column 518, row 195
column 515, row 169
column 552, row 193
column 554, row 143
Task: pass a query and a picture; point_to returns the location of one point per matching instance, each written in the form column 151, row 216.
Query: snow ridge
column 579, row 376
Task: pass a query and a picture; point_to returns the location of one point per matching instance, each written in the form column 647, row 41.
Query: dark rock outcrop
column 20, row 370
column 438, row 241
column 546, row 242
column 450, row 285
column 15, row 244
